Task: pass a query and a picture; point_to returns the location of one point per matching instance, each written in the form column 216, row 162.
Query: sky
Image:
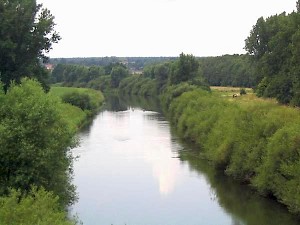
column 124, row 28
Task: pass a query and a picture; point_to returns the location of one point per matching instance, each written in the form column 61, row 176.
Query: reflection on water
column 133, row 171
column 245, row 206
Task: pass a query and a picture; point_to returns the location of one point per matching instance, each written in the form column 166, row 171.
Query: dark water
column 132, row 170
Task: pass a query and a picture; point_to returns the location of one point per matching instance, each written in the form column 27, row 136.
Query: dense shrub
column 81, row 100
column 255, row 143
column 35, row 140
column 138, row 85
column 174, row 91
column 36, row 207
column 87, row 100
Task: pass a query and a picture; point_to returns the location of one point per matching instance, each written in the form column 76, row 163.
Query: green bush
column 35, row 140
column 37, row 207
column 138, row 85
column 81, row 100
column 255, row 143
column 243, row 91
column 279, row 174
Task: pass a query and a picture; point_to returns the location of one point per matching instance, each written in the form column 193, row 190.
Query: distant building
column 49, row 67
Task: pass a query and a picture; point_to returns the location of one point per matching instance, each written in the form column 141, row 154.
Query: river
column 133, row 170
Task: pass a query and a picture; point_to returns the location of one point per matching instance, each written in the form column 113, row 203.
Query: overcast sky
column 92, row 28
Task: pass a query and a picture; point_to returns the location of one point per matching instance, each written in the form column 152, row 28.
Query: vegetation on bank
column 103, row 78
column 157, row 78
column 37, row 131
column 35, row 143
column 82, row 103
column 253, row 140
column 256, row 143
column 37, row 207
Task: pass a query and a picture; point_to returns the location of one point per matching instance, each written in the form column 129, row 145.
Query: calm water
column 132, row 170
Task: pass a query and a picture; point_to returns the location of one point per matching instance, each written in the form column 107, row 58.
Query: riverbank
column 253, row 140
column 37, row 135
column 82, row 104
column 156, row 165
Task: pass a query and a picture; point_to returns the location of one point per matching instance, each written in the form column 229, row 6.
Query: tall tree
column 35, row 141
column 118, row 73
column 185, row 69
column 26, row 36
column 274, row 45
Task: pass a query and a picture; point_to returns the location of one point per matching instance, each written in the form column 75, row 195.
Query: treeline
column 229, row 70
column 133, row 63
column 156, row 78
column 101, row 78
column 270, row 66
column 274, row 45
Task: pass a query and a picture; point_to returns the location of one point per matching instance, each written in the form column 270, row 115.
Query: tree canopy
column 185, row 68
column 274, row 45
column 26, row 36
column 35, row 141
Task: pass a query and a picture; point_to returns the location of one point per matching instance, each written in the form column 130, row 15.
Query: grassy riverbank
column 37, row 134
column 252, row 140
column 83, row 103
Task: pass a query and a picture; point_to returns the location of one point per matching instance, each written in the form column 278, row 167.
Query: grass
column 249, row 98
column 73, row 114
column 60, row 91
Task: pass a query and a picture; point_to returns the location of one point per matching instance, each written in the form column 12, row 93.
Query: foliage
column 102, row 83
column 94, row 77
column 27, row 33
column 243, row 91
column 185, row 69
column 134, row 63
column 86, row 99
column 255, row 143
column 84, row 103
column 75, row 75
column 35, row 141
column 279, row 174
column 274, row 46
column 138, row 85
column 172, row 92
column 229, row 70
column 80, row 100
column 73, row 115
column 37, row 207
column 117, row 74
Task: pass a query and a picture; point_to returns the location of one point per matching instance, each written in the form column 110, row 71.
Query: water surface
column 132, row 170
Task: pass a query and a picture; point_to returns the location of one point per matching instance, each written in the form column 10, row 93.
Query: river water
column 133, row 170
